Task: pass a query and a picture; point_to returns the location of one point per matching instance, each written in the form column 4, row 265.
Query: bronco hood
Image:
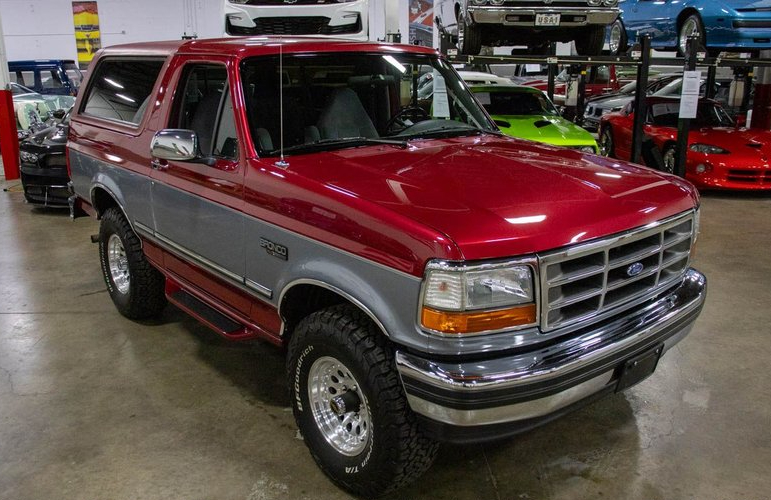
column 499, row 197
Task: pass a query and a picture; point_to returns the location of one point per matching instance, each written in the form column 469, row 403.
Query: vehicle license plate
column 547, row 19
column 638, row 368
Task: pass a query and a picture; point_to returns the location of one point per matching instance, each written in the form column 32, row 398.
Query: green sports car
column 527, row 113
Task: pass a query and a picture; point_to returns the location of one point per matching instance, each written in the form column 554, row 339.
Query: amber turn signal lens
column 477, row 321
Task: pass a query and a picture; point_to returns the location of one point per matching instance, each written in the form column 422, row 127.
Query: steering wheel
column 417, row 113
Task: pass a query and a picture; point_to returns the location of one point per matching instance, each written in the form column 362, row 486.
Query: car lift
column 638, row 56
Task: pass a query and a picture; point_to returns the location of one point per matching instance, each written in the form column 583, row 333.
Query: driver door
column 197, row 205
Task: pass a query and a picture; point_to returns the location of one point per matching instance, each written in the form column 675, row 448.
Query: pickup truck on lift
column 431, row 279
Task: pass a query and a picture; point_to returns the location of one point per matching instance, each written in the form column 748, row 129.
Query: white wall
column 43, row 29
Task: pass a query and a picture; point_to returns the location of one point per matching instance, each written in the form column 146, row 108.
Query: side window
column 602, row 75
column 50, row 79
column 120, row 89
column 203, row 105
column 26, row 78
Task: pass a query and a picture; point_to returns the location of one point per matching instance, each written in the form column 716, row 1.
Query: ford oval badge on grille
column 634, row 269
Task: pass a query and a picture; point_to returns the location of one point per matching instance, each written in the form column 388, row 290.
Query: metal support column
column 640, row 103
column 581, row 99
column 552, row 71
column 684, row 124
column 710, row 90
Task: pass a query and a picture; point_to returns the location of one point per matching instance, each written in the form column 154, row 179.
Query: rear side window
column 120, row 89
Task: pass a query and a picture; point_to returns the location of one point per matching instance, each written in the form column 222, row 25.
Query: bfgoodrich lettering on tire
column 350, row 406
column 135, row 286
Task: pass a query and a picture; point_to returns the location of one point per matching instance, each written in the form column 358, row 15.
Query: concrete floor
column 94, row 406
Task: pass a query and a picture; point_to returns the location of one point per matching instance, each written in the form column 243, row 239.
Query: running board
column 222, row 324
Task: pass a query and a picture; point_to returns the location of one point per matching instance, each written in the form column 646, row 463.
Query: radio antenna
column 281, row 163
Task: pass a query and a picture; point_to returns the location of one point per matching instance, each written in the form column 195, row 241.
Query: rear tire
column 469, row 38
column 590, row 42
column 372, row 444
column 135, row 286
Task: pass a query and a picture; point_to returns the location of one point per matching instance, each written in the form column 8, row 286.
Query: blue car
column 722, row 25
column 47, row 76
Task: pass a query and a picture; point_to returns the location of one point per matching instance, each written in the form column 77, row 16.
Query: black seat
column 344, row 116
column 202, row 122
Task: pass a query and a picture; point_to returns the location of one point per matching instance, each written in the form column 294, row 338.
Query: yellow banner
column 87, row 37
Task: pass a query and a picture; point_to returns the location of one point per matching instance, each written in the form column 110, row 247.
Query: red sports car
column 720, row 155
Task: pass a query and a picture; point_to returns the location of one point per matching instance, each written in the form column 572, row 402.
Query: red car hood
column 499, row 197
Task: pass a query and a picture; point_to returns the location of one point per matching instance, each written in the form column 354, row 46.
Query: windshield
column 329, row 98
column 675, row 88
column 708, row 114
column 629, row 88
column 17, row 89
column 515, row 103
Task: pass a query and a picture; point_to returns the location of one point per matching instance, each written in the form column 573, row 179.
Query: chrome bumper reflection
column 482, row 15
column 539, row 382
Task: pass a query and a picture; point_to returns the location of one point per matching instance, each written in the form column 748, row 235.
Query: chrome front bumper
column 538, row 384
column 500, row 15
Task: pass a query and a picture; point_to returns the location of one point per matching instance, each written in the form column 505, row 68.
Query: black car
column 44, row 173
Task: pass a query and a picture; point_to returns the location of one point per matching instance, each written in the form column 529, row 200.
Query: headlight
column 238, row 1
column 587, row 149
column 28, row 157
column 609, row 3
column 497, row 2
column 479, row 2
column 594, row 3
column 460, row 299
column 708, row 149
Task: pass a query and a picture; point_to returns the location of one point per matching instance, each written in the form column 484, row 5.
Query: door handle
column 159, row 165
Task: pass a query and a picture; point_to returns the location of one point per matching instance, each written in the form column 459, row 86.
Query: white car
column 338, row 18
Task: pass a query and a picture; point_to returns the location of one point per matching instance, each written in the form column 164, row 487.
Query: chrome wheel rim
column 117, row 261
column 606, row 143
column 690, row 28
column 669, row 160
column 614, row 44
column 347, row 432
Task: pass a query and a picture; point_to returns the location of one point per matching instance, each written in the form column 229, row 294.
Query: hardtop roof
column 261, row 45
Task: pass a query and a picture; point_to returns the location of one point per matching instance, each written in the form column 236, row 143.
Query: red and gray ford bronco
column 431, row 279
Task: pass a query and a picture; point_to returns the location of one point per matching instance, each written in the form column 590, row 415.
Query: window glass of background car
column 518, row 104
column 73, row 74
column 120, row 89
column 206, row 108
column 602, row 75
column 26, row 78
column 50, row 79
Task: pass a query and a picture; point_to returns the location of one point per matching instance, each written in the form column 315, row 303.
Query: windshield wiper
column 446, row 132
column 343, row 142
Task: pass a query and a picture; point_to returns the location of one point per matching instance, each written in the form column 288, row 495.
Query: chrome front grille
column 590, row 281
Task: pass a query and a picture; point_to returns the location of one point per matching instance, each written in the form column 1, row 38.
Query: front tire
column 669, row 155
column 617, row 41
column 692, row 25
column 590, row 42
column 606, row 142
column 135, row 286
column 349, row 404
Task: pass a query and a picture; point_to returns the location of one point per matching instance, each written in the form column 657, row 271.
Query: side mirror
column 175, row 145
column 59, row 114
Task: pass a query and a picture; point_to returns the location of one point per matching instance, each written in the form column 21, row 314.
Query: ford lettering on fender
column 432, row 279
